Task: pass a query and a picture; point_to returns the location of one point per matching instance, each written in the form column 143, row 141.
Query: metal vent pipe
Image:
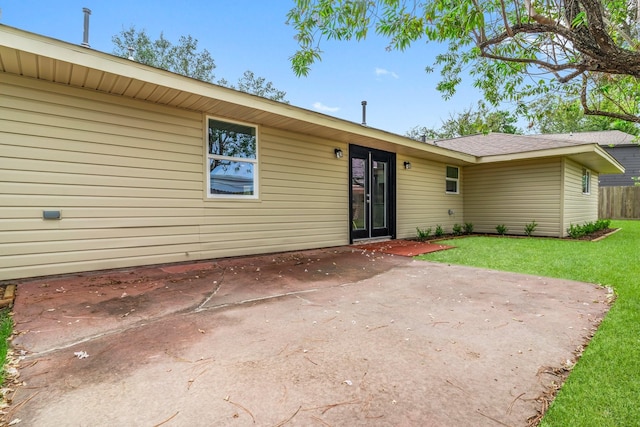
column 364, row 113
column 85, row 36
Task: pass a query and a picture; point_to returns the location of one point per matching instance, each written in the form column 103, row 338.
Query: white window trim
column 256, row 175
column 456, row 180
column 586, row 172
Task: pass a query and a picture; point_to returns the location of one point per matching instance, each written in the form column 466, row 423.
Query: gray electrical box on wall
column 51, row 214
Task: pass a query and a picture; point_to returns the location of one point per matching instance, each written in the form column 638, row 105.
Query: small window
column 232, row 161
column 451, row 181
column 586, row 181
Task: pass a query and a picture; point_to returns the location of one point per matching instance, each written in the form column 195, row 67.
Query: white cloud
column 383, row 72
column 321, row 107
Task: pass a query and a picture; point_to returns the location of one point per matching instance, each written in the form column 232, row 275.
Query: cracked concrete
column 327, row 337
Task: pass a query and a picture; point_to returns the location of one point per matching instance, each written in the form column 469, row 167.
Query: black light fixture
column 407, row 165
column 338, row 153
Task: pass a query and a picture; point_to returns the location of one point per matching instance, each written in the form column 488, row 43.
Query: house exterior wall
column 422, row 200
column 578, row 208
column 514, row 194
column 128, row 178
column 629, row 157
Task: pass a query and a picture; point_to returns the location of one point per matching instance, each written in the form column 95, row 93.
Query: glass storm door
column 372, row 194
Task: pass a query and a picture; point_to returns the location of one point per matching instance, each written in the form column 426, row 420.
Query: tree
column 557, row 115
column 183, row 58
column 469, row 122
column 585, row 49
column 258, row 86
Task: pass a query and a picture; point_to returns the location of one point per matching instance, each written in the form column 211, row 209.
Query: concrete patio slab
column 326, row 337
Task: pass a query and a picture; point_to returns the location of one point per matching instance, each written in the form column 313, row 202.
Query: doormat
column 403, row 247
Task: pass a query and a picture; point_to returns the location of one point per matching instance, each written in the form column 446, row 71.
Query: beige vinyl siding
column 128, row 176
column 303, row 201
column 421, row 197
column 514, row 194
column 579, row 208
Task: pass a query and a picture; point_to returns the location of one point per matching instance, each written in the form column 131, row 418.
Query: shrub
column 577, row 231
column 423, row 233
column 530, row 228
column 439, row 231
column 457, row 229
column 501, row 229
column 468, row 227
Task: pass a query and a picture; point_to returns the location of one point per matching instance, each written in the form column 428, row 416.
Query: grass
column 6, row 327
column 604, row 387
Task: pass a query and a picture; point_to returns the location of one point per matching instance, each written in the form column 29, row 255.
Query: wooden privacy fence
column 619, row 202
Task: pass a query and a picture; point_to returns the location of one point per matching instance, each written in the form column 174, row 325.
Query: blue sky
column 252, row 35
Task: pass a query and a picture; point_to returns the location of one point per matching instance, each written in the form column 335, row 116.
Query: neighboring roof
column 493, row 147
column 605, row 138
column 39, row 57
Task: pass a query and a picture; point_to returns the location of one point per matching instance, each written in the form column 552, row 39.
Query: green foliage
column 530, row 228
column 501, row 229
column 603, row 386
column 439, row 231
column 470, row 122
column 555, row 114
column 577, row 231
column 468, row 227
column 6, row 328
column 423, row 233
column 513, row 51
column 183, row 58
column 457, row 229
column 186, row 59
column 249, row 83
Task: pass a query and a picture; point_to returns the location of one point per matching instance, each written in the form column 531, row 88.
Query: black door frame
column 371, row 155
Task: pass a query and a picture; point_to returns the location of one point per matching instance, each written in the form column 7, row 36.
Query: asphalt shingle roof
column 602, row 137
column 502, row 143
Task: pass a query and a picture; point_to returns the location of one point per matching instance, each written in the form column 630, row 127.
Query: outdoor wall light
column 407, row 165
column 338, row 153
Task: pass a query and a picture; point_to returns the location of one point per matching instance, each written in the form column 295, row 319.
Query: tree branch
column 589, row 112
column 536, row 16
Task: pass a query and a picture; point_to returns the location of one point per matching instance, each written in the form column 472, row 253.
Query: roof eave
column 202, row 96
column 590, row 155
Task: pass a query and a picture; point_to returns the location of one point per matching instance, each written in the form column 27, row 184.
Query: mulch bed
column 597, row 235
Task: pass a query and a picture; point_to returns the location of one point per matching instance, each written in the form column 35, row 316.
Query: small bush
column 575, row 231
column 457, row 229
column 423, row 233
column 530, row 228
column 439, row 231
column 501, row 229
column 468, row 227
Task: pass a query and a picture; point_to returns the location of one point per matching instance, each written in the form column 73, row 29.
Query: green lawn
column 604, row 387
column 6, row 326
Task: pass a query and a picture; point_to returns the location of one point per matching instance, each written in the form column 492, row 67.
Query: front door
column 372, row 196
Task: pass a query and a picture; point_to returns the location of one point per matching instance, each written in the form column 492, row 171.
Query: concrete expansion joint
column 201, row 307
